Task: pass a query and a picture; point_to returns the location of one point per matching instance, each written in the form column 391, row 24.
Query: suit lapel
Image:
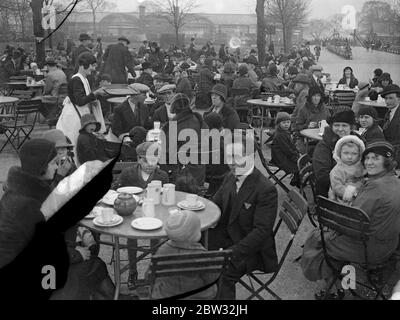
column 394, row 121
column 245, row 191
column 229, row 184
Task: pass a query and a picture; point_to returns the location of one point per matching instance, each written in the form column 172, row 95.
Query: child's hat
column 88, row 119
column 282, row 116
column 354, row 139
column 183, row 226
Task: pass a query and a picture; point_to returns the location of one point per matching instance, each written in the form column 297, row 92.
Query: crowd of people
column 351, row 168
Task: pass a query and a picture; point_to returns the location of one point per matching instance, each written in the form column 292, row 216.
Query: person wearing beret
column 117, row 59
column 340, row 125
column 230, row 118
column 391, row 126
column 85, row 40
column 378, row 197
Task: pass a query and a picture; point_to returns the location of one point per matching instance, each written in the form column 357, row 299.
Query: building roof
column 231, row 19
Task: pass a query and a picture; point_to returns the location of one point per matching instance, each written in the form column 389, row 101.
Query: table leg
column 262, row 128
column 117, row 268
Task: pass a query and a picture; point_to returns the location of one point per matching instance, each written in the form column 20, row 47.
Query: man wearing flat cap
column 116, row 59
column 315, row 79
column 391, row 127
column 131, row 113
column 163, row 113
column 85, row 41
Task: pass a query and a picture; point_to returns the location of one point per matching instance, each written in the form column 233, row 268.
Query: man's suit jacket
column 124, row 119
column 317, row 85
column 251, row 221
column 391, row 130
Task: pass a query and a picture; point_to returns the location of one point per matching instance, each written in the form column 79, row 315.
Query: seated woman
column 380, row 203
column 340, row 125
column 368, row 119
column 309, row 116
column 140, row 175
column 184, row 232
column 348, row 78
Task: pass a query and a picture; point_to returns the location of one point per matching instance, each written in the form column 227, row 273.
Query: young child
column 87, row 147
column 184, row 232
column 347, row 176
column 368, row 118
column 283, row 150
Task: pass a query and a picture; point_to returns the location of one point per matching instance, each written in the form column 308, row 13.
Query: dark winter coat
column 116, row 59
column 230, row 118
column 184, row 86
column 88, row 148
column 391, row 130
column 284, row 152
column 373, row 133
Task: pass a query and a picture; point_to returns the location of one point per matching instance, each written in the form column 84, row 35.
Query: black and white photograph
column 214, row 151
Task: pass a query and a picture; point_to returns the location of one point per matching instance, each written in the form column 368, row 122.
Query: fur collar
column 27, row 185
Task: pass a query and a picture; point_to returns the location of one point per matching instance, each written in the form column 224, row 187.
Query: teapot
column 125, row 204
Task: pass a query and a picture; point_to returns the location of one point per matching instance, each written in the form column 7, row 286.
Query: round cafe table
column 313, row 134
column 208, row 218
column 266, row 105
column 4, row 110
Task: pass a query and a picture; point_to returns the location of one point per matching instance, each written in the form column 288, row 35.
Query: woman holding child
column 380, row 203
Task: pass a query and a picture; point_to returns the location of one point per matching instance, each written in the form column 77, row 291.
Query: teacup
column 107, row 215
column 191, row 200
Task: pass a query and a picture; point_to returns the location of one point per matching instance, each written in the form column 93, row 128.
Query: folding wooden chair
column 353, row 223
column 20, row 126
column 292, row 212
column 211, row 262
column 307, row 181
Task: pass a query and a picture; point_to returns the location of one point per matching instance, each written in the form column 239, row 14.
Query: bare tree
column 261, row 30
column 96, row 6
column 176, row 12
column 290, row 14
column 319, row 28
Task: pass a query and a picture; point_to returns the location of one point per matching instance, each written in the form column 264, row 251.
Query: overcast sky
column 319, row 8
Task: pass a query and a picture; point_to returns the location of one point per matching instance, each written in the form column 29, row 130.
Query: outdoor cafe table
column 268, row 105
column 15, row 85
column 208, row 218
column 313, row 134
column 375, row 104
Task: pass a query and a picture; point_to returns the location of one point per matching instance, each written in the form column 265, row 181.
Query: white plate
column 98, row 221
column 146, row 224
column 183, row 205
column 110, row 197
column 131, row 190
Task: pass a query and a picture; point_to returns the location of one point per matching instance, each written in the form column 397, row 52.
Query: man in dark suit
column 163, row 112
column 315, row 79
column 131, row 113
column 248, row 203
column 391, row 127
column 116, row 59
column 85, row 41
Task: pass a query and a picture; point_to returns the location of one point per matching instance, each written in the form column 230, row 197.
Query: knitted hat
column 243, row 69
column 221, row 90
column 385, row 76
column 183, row 226
column 138, row 134
column 36, row 154
column 282, row 116
column 213, row 120
column 143, row 148
column 378, row 72
column 391, row 88
column 381, row 147
column 88, row 119
column 180, row 102
column 347, row 139
column 346, row 116
column 368, row 110
column 58, row 137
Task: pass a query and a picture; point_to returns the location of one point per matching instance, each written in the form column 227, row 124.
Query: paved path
column 363, row 63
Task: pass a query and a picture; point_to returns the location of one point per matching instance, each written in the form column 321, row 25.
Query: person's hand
column 313, row 125
column 64, row 168
column 349, row 193
column 85, row 253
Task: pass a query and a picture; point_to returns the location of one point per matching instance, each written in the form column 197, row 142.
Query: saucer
column 147, row 224
column 184, row 205
column 98, row 221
